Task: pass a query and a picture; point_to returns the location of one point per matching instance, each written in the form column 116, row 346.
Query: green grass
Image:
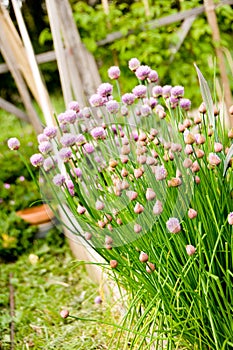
column 41, row 290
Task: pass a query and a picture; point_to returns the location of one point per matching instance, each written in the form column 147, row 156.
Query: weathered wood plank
column 44, row 57
column 10, row 108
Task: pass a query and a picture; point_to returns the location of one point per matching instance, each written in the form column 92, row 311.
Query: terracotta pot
column 36, row 215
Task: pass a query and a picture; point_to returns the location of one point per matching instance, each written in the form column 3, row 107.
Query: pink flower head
column 150, row 194
column 152, row 102
column 68, row 140
column 134, row 63
column 128, row 98
column 140, row 91
column 142, row 72
column 153, row 76
column 37, row 160
column 137, row 228
column 59, row 180
column 45, row 147
column 7, row 186
column 143, row 257
column 173, row 225
column 124, row 110
column 70, row 187
column 230, row 218
column 192, row 213
column 145, row 110
column 213, row 159
column 42, row 138
column 89, row 148
column 13, row 144
column 218, row 147
column 98, row 300
column 132, row 195
column 105, row 89
column 167, row 91
column 86, row 112
column 177, row 91
column 81, row 210
column 185, row 103
column 50, row 131
column 65, row 154
column 114, row 72
column 112, row 106
column 96, row 100
column 99, row 205
column 138, row 209
column 190, row 249
column 98, row 132
column 160, row 173
column 157, row 91
column 74, row 105
column 158, row 208
column 21, row 178
column 48, row 164
column 64, row 313
column 78, row 172
column 69, row 117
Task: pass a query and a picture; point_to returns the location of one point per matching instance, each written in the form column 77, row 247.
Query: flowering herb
column 145, row 182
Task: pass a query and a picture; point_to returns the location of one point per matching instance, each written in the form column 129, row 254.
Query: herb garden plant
column 149, row 187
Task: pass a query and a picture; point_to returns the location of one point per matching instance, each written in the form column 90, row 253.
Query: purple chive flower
column 177, row 91
column 7, row 186
column 230, row 218
column 64, row 313
column 213, row 159
column 114, row 72
column 152, row 102
column 134, row 63
column 96, row 100
column 89, row 148
column 167, row 91
column 112, row 106
column 157, row 91
column 142, row 72
column 134, row 135
column 69, row 117
column 160, row 173
column 68, row 140
column 64, row 128
column 145, row 110
column 45, row 147
column 65, row 154
column 50, row 131
column 80, row 139
column 140, row 91
column 173, row 225
column 22, row 178
column 59, row 180
column 128, row 98
column 13, row 143
column 74, row 105
column 78, row 172
column 185, row 103
column 105, row 89
column 98, row 132
column 98, row 300
column 48, row 164
column 42, row 138
column 37, row 160
column 86, row 112
column 70, row 187
column 124, row 111
column 153, row 76
column 60, row 118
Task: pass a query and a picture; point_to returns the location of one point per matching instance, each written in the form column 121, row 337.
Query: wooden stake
column 43, row 96
column 212, row 20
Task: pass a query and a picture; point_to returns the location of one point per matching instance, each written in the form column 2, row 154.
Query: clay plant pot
column 37, row 215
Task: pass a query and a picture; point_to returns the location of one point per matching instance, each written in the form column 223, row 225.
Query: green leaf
column 206, row 96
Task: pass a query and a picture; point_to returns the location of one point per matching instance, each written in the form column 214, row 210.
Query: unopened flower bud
column 158, row 208
column 150, row 194
column 230, row 134
column 88, row 236
column 200, row 153
column 64, row 313
column 192, row 213
column 195, row 167
column 143, row 257
column 137, row 228
column 81, row 210
column 150, row 267
column 125, row 150
column 190, row 249
column 174, row 182
column 113, row 264
column 197, row 119
column 132, row 195
column 230, row 218
column 119, row 221
column 187, row 163
column 189, row 138
column 138, row 173
column 218, row 147
column 124, row 172
column 213, row 159
column 108, row 240
column 113, row 163
column 138, row 209
column 202, row 108
column 99, row 205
